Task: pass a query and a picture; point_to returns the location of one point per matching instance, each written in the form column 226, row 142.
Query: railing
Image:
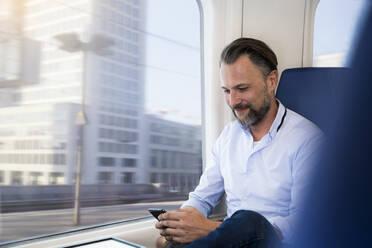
column 32, row 198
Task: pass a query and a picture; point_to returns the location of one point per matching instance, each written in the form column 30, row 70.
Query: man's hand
column 185, row 225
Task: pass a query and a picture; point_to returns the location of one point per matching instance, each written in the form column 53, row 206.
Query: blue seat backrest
column 312, row 92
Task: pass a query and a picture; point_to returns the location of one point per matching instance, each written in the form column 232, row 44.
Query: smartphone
column 156, row 212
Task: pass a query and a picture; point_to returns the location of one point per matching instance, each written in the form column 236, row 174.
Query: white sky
column 177, row 88
column 335, row 23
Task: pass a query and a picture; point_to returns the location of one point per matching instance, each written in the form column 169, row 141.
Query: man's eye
column 226, row 91
column 243, row 89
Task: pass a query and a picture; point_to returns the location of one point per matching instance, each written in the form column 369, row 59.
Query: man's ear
column 272, row 80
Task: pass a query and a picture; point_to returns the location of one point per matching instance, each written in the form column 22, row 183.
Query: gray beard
column 254, row 116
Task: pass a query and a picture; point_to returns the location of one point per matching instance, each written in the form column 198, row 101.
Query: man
column 262, row 161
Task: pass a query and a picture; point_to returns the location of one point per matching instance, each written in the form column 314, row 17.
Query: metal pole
column 77, row 181
column 71, row 43
column 81, row 121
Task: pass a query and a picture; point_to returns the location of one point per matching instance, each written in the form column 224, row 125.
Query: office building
column 111, row 86
column 174, row 153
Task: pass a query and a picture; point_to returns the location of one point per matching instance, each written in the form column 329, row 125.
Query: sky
column 335, row 25
column 174, row 86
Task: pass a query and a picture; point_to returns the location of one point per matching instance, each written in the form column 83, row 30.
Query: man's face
column 247, row 92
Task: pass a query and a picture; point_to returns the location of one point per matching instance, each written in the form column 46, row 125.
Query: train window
column 335, row 24
column 99, row 99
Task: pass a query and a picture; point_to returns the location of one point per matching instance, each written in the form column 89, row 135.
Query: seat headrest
column 312, row 92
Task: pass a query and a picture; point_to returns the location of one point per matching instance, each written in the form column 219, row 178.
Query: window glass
column 108, row 92
column 335, row 24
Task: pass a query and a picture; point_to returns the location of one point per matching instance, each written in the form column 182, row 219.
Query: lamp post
column 98, row 44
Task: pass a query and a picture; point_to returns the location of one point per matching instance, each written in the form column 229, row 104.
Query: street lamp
column 98, row 44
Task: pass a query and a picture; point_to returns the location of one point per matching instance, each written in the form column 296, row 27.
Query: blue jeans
column 244, row 229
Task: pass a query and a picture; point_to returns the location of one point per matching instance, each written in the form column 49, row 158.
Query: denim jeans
column 244, row 229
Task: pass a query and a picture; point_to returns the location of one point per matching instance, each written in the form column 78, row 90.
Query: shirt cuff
column 203, row 208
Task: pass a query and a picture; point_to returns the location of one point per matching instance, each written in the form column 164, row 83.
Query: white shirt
column 269, row 177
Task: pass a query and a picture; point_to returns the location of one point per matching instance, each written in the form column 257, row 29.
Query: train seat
column 312, row 92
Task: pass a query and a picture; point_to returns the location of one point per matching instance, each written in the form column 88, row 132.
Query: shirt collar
column 274, row 126
column 278, row 120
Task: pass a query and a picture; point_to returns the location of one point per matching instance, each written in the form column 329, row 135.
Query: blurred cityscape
column 72, row 73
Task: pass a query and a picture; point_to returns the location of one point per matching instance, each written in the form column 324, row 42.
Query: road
column 14, row 226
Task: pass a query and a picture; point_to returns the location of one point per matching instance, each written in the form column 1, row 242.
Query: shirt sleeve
column 210, row 189
column 302, row 170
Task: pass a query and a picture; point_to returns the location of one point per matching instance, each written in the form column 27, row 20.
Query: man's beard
column 254, row 116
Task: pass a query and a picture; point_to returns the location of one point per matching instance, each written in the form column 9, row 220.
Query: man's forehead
column 242, row 71
column 230, row 79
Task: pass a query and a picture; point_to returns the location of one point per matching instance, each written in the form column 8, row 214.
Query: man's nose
column 234, row 99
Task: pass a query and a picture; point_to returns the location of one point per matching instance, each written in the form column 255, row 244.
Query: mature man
column 262, row 161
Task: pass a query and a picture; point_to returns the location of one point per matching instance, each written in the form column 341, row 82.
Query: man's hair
column 257, row 51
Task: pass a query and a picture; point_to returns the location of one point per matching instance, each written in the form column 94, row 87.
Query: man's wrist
column 212, row 225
